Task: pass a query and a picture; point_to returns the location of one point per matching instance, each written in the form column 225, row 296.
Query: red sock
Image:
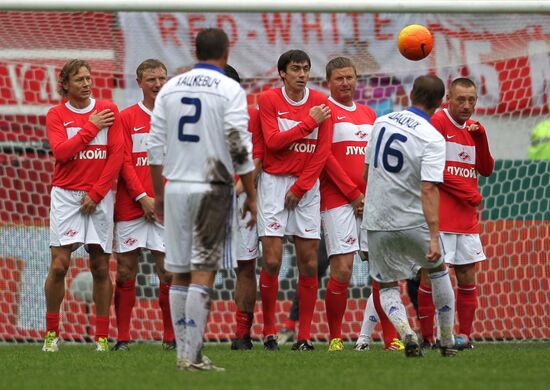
column 307, row 296
column 336, row 300
column 388, row 331
column 290, row 325
column 426, row 312
column 164, row 303
column 244, row 323
column 466, row 305
column 101, row 327
column 269, row 288
column 125, row 299
column 52, row 323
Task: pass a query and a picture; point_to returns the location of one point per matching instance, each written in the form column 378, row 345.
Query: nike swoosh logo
column 450, row 136
column 138, row 128
column 282, row 113
column 252, row 250
column 310, row 230
column 477, row 253
column 340, row 117
column 67, row 123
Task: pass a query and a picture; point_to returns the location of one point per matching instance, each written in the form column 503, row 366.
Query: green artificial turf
column 147, row 366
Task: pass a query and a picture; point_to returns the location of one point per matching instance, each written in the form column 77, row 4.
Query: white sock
column 178, row 297
column 197, row 310
column 370, row 319
column 444, row 302
column 390, row 299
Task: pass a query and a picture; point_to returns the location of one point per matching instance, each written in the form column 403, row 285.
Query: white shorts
column 396, row 255
column 247, row 246
column 275, row 220
column 199, row 227
column 460, row 249
column 138, row 233
column 342, row 230
column 68, row 226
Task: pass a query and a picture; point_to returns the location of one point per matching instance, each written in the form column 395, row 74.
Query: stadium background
column 507, row 55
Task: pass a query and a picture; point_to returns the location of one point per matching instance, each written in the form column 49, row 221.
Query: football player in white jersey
column 198, row 141
column 404, row 162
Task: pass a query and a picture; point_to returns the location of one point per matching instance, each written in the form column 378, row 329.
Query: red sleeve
column 340, row 178
column 277, row 140
column 128, row 172
column 115, row 157
column 65, row 148
column 438, row 124
column 315, row 165
column 484, row 160
column 257, row 138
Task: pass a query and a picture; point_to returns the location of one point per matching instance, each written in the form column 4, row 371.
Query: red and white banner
column 507, row 55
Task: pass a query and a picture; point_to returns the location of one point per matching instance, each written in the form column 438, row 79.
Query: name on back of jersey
column 200, row 80
column 404, row 120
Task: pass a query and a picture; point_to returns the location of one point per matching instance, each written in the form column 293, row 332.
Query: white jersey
column 404, row 150
column 199, row 128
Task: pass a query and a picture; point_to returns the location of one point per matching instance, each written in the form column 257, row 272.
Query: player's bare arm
column 291, row 200
column 102, row 119
column 158, row 189
column 249, row 186
column 358, row 204
column 320, row 113
column 430, row 207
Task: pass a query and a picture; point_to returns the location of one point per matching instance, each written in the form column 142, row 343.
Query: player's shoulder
column 130, row 110
column 56, row 110
column 316, row 96
column 365, row 110
column 101, row 104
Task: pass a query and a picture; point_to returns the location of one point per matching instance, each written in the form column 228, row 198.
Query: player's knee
column 271, row 264
column 58, row 270
column 165, row 277
column 100, row 271
column 124, row 273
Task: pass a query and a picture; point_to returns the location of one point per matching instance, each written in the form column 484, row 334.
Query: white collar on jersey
column 347, row 108
column 84, row 110
column 292, row 102
column 145, row 109
column 463, row 126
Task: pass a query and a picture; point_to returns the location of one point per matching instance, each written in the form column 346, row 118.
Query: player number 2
column 189, row 119
column 389, row 151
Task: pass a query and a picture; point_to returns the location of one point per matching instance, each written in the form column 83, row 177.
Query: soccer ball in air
column 415, row 42
column 82, row 287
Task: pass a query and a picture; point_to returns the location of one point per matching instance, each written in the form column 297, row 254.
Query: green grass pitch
column 146, row 366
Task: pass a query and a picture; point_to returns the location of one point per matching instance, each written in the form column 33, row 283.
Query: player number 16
column 389, row 151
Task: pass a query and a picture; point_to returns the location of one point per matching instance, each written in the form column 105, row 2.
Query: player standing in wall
column 198, row 142
column 342, row 189
column 85, row 135
column 247, row 248
column 404, row 160
column 136, row 227
column 467, row 155
column 297, row 143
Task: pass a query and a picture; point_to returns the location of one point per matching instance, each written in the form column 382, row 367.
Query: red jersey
column 255, row 128
column 86, row 158
column 135, row 175
column 294, row 143
column 467, row 155
column 342, row 179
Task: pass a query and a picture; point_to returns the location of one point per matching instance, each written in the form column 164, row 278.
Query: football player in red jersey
column 297, row 143
column 342, row 193
column 136, row 228
column 467, row 155
column 85, row 135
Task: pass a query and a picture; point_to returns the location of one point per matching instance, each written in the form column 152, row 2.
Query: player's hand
column 148, row 205
column 434, row 252
column 159, row 209
column 320, row 113
column 475, row 129
column 291, row 200
column 249, row 207
column 239, row 188
column 358, row 205
column 102, row 119
column 87, row 205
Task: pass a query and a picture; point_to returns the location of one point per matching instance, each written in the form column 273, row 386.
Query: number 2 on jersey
column 189, row 119
column 389, row 151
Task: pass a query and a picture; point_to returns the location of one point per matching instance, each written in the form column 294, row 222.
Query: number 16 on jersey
column 388, row 150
